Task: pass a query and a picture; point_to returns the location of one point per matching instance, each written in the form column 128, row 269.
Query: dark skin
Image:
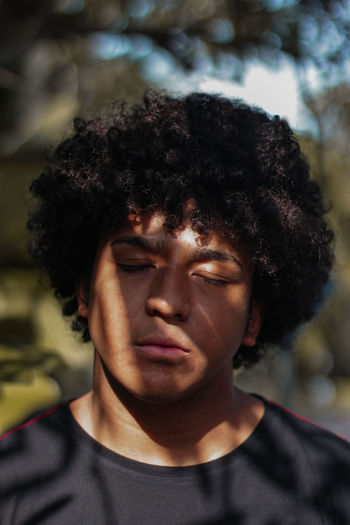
column 167, row 311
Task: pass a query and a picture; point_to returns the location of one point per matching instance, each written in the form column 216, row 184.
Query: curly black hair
column 243, row 169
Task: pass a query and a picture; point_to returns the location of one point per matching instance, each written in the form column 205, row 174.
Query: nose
column 169, row 296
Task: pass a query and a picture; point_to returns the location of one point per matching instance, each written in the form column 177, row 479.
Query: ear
column 255, row 320
column 83, row 299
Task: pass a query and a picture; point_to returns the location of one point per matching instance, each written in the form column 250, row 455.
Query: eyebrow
column 155, row 245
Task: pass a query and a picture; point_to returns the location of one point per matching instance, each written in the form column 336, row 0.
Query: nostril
column 168, row 297
column 166, row 308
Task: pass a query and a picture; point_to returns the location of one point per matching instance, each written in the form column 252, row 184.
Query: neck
column 199, row 428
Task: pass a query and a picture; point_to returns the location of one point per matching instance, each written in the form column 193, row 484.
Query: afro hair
column 242, row 168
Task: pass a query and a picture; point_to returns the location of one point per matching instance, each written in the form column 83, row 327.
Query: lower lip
column 162, row 353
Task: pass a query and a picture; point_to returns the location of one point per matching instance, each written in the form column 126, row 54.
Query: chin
column 156, row 393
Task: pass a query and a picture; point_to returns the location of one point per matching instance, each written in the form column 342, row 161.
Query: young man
column 183, row 235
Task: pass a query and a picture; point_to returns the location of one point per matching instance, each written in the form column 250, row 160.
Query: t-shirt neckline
column 115, row 459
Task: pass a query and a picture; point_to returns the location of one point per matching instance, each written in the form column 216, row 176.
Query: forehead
column 152, row 226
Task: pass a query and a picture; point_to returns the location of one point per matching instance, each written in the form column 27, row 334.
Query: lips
column 162, row 348
column 166, row 342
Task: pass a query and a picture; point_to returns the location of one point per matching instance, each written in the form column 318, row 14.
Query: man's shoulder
column 36, row 463
column 317, row 452
column 22, row 448
column 310, row 435
column 34, row 423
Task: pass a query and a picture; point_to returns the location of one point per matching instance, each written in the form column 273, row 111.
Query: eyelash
column 214, row 282
column 129, row 268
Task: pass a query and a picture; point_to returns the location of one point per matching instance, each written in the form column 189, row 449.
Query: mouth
column 162, row 349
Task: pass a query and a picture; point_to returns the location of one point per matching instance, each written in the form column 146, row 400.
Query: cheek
column 109, row 316
column 224, row 322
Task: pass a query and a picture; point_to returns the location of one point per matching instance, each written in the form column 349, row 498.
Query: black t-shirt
column 288, row 471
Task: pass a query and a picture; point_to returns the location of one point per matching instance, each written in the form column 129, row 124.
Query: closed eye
column 132, row 268
column 215, row 282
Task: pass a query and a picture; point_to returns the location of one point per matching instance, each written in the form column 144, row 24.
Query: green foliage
column 20, row 364
column 60, row 57
column 20, row 353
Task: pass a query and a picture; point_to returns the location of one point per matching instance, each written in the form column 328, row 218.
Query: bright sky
column 275, row 91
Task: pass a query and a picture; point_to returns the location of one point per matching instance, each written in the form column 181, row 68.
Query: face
column 168, row 310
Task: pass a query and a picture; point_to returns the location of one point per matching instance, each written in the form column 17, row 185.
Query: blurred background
column 60, row 58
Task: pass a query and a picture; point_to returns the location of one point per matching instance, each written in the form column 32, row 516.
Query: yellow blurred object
column 19, row 400
column 343, row 393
